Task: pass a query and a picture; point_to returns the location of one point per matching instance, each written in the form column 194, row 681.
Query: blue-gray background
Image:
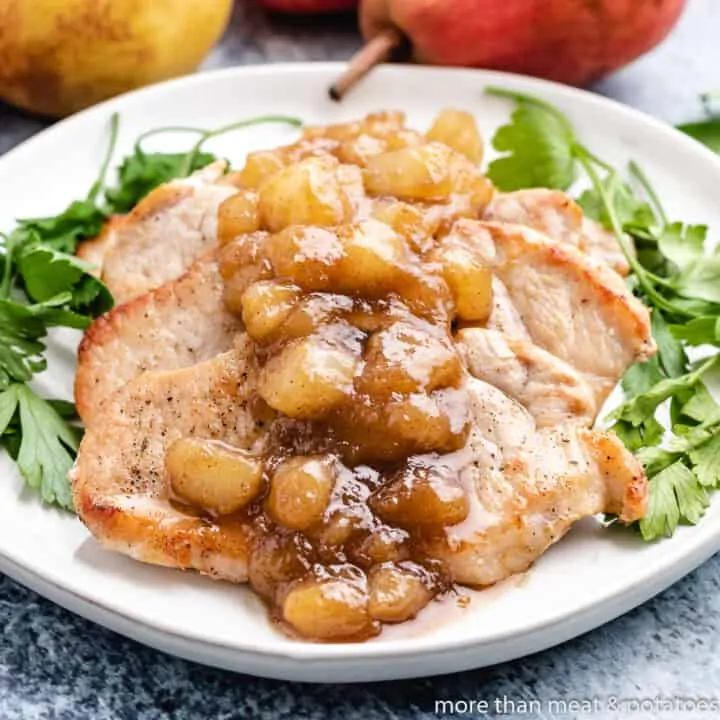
column 55, row 665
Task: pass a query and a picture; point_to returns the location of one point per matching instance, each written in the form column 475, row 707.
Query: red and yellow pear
column 571, row 41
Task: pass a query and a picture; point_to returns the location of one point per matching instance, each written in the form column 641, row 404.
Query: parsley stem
column 585, row 159
column 577, row 148
column 100, row 182
column 189, row 159
column 636, row 171
column 167, row 129
column 7, row 266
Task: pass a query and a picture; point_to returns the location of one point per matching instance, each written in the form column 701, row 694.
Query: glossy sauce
column 331, row 258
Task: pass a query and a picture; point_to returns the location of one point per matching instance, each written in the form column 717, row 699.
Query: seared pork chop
column 552, row 391
column 333, row 460
column 528, row 487
column 121, row 488
column 571, row 305
column 603, row 245
column 119, row 482
column 558, row 216
column 94, row 250
column 552, row 296
column 504, row 317
column 178, row 324
column 165, row 233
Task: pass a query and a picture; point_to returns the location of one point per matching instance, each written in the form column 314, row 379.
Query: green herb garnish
column 43, row 285
column 673, row 273
column 142, row 172
column 706, row 131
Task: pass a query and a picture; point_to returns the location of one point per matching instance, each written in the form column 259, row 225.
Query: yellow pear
column 59, row 56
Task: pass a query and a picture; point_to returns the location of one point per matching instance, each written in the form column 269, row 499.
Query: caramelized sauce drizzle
column 360, row 391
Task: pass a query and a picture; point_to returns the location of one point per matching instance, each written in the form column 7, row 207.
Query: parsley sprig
column 141, row 172
column 43, row 285
column 706, row 131
column 673, row 272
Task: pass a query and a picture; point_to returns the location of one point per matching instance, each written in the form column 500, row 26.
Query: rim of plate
column 660, row 574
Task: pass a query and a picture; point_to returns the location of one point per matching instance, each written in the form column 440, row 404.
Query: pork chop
column 552, row 391
column 558, row 216
column 119, row 482
column 163, row 235
column 95, row 249
column 545, row 294
column 526, row 487
column 176, row 325
column 570, row 304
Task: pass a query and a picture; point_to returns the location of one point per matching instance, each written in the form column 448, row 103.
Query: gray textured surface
column 55, row 665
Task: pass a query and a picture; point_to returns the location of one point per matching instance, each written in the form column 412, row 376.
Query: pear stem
column 371, row 54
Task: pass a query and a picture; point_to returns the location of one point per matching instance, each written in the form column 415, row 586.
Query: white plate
column 587, row 579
